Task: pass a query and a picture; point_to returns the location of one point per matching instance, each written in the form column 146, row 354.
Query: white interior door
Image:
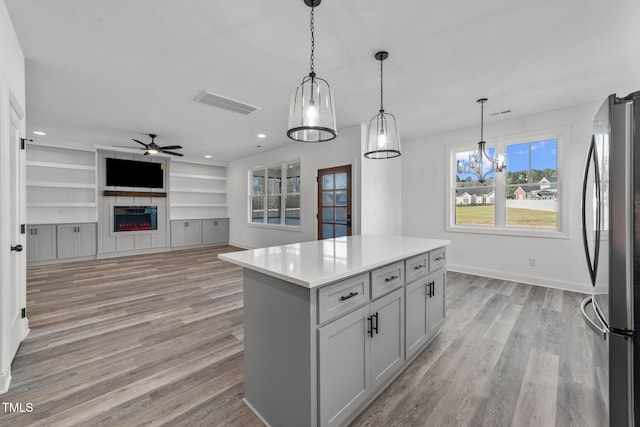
column 17, row 216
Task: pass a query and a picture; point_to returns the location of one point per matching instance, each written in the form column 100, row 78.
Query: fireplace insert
column 135, row 218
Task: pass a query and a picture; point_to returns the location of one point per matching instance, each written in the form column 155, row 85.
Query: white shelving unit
column 197, row 191
column 61, row 185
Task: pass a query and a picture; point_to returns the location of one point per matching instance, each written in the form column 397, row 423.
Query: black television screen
column 133, row 173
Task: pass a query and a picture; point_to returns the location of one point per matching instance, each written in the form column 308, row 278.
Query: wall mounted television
column 134, row 173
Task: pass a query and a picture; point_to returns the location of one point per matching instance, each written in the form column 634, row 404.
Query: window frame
column 562, row 135
column 283, row 167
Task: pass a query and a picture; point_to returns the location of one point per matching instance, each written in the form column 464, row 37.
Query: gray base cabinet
column 186, row 233
column 424, row 306
column 194, row 232
column 41, row 243
column 215, row 231
column 76, row 240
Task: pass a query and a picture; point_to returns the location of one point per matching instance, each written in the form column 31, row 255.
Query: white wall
column 343, row 150
column 12, row 79
column 560, row 262
column 381, row 194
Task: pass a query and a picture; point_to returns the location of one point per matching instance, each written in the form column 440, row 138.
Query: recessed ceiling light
column 37, row 132
column 262, row 135
column 207, row 156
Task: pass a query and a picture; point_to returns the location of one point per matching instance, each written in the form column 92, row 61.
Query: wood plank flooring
column 156, row 340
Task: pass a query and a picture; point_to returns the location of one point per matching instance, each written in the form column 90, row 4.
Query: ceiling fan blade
column 139, row 142
column 172, row 147
column 171, row 152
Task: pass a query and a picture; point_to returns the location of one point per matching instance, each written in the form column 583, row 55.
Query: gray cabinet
column 435, row 302
column 41, row 243
column 76, row 240
column 215, row 231
column 416, row 331
column 357, row 354
column 186, row 233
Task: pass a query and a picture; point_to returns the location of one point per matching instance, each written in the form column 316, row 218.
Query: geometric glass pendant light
column 480, row 163
column 383, row 140
column 312, row 116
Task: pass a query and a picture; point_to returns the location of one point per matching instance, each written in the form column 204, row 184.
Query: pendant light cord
column 381, row 88
column 313, row 40
column 482, row 120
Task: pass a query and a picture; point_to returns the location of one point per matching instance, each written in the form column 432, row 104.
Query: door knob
column 17, row 248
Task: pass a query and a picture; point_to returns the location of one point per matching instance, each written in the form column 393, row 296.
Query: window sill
column 297, row 228
column 511, row 231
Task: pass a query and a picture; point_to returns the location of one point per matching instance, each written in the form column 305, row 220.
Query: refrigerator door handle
column 599, row 327
column 593, row 265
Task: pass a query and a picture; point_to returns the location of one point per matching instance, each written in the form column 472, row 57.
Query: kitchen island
column 328, row 324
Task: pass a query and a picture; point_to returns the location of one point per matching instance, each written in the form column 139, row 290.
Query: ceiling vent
column 224, row 103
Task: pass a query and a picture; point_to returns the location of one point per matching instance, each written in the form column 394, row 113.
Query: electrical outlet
column 533, row 262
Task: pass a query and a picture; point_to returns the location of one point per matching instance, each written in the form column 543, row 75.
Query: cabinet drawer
column 387, row 278
column 416, row 267
column 437, row 259
column 340, row 297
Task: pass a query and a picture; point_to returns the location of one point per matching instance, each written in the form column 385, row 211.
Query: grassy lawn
column 516, row 217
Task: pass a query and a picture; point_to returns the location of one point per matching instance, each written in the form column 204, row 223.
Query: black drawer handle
column 440, row 258
column 388, row 279
column 351, row 295
column 418, row 267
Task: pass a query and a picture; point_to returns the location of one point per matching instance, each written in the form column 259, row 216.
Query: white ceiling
column 100, row 72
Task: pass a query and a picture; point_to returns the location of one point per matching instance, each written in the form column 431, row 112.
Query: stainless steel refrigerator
column 611, row 234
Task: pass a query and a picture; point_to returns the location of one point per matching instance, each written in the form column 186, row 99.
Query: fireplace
column 135, row 218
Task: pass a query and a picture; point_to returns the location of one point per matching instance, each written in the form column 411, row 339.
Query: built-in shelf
column 115, row 193
column 196, row 176
column 60, row 165
column 61, row 205
column 198, row 190
column 58, row 184
column 198, row 205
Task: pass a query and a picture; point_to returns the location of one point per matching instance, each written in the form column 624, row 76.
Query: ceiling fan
column 153, row 148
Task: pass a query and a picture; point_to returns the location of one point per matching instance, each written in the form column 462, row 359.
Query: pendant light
column 383, row 141
column 312, row 116
column 480, row 163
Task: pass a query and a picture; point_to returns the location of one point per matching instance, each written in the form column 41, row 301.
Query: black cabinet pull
column 388, row 279
column 440, row 258
column 418, row 267
column 370, row 331
column 432, row 289
column 375, row 328
column 351, row 295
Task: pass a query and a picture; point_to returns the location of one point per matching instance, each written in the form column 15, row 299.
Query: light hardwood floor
column 157, row 340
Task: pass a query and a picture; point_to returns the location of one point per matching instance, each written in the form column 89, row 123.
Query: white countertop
column 316, row 263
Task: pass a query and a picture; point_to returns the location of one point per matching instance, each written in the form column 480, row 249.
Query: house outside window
column 524, row 200
column 274, row 194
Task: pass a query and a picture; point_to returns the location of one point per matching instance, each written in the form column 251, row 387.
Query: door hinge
column 317, row 179
column 317, row 216
column 24, row 312
column 23, row 142
column 23, row 228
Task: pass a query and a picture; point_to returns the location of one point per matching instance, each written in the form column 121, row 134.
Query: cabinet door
column 193, row 232
column 415, row 316
column 387, row 343
column 66, row 241
column 178, row 237
column 435, row 303
column 343, row 358
column 41, row 243
column 85, row 240
column 215, row 231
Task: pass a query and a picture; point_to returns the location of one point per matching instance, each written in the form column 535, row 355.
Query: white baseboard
column 547, row 282
column 131, row 252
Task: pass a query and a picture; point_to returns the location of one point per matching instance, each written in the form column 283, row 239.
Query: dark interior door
column 334, row 202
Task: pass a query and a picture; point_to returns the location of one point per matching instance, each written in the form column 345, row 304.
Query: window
column 275, row 194
column 525, row 199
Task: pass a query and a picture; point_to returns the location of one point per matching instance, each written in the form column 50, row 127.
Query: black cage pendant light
column 312, row 116
column 383, row 140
